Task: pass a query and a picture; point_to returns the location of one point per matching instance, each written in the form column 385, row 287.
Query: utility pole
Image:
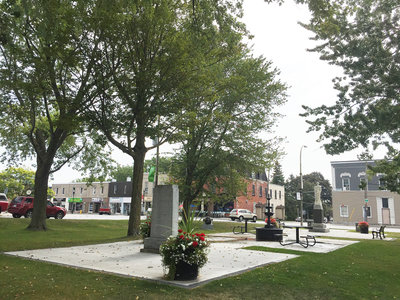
column 301, row 188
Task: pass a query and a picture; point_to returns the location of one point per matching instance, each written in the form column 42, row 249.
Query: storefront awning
column 74, row 199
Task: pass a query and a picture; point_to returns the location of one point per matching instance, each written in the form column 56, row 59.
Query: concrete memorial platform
column 226, row 258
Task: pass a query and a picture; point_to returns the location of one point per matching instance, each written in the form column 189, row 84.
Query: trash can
column 357, row 227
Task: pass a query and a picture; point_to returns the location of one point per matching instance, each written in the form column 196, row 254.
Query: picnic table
column 307, row 237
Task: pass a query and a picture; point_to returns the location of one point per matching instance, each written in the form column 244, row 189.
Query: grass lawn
column 369, row 269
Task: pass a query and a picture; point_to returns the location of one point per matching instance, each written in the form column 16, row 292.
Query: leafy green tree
column 47, row 53
column 278, row 177
column 361, row 37
column 17, row 181
column 228, row 107
column 151, row 50
column 121, row 173
column 292, row 186
column 164, row 164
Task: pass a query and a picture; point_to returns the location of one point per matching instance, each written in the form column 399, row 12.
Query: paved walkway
column 226, row 257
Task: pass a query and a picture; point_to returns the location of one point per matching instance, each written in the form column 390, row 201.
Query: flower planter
column 184, row 271
column 363, row 229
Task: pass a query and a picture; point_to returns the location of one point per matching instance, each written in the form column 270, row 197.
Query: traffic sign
column 366, row 200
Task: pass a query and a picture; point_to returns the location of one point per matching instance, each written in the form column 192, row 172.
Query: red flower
column 180, row 230
column 202, row 234
column 195, row 244
column 202, row 238
column 181, row 237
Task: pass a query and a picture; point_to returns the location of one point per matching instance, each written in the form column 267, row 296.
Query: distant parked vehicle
column 23, row 206
column 3, row 202
column 242, row 214
column 105, row 210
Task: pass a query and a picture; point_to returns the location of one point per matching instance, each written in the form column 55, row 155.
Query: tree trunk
column 137, row 182
column 38, row 221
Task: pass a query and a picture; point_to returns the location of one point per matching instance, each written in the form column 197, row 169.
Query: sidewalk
column 226, row 257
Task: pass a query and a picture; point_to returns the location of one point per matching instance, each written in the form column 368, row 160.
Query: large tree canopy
column 225, row 112
column 150, row 51
column 362, row 37
column 47, row 53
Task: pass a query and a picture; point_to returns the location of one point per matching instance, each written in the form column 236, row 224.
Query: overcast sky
column 279, row 38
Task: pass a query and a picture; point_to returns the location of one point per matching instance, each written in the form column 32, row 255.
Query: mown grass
column 369, row 269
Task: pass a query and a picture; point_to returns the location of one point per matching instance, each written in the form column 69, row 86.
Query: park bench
column 380, row 232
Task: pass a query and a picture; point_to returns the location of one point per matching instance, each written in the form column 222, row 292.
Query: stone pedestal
column 164, row 217
column 319, row 227
column 318, row 212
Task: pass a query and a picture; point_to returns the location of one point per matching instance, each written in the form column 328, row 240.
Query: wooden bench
column 380, row 232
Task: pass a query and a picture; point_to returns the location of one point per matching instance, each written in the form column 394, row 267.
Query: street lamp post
column 301, row 188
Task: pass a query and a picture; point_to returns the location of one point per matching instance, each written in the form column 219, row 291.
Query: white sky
column 279, row 38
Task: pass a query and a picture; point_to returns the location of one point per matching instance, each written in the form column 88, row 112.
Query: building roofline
column 352, row 162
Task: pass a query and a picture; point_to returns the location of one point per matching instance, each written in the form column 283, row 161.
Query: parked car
column 3, row 202
column 105, row 210
column 242, row 214
column 23, row 206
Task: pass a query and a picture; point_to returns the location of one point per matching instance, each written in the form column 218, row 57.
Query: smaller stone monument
column 318, row 212
column 164, row 217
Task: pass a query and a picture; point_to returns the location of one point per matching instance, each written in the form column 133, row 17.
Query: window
column 369, row 212
column 344, row 211
column 124, row 189
column 385, row 202
column 115, row 189
column 56, row 190
column 270, row 193
column 81, row 190
column 253, row 192
column 94, row 190
column 102, row 189
column 276, row 194
column 63, row 191
column 260, row 192
column 346, row 184
column 266, row 193
column 280, row 194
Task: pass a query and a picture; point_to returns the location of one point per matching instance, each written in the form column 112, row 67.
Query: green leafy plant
column 145, row 229
column 187, row 247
